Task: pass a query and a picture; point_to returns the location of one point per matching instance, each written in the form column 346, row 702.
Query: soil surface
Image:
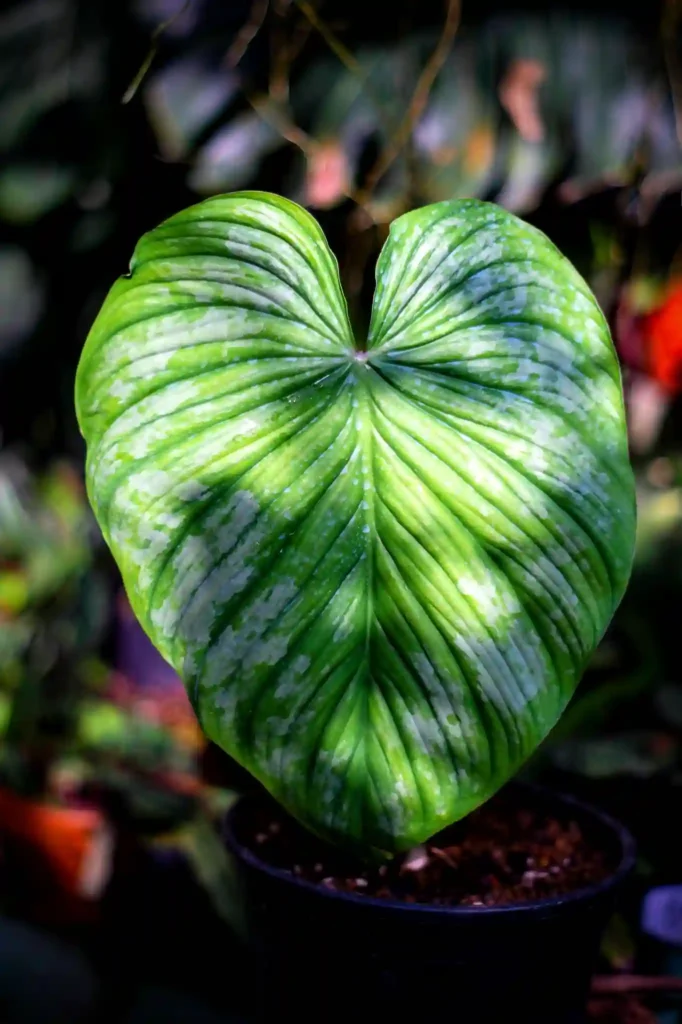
column 500, row 854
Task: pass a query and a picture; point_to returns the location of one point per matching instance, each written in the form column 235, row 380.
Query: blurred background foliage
column 113, row 115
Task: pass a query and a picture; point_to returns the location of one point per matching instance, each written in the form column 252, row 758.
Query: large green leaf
column 379, row 572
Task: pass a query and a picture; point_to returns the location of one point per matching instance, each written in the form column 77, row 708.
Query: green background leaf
column 380, row 573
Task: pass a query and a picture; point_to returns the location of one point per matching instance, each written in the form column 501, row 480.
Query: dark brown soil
column 500, row 854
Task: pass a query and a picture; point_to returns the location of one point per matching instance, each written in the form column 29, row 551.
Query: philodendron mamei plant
column 379, row 564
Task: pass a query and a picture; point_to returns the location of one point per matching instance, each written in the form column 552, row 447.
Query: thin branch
column 419, row 99
column 348, row 59
column 333, row 42
column 624, row 984
column 285, row 51
column 281, row 122
column 270, row 106
column 247, row 33
column 153, row 49
column 273, row 106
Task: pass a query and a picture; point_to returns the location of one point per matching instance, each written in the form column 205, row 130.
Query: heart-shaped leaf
column 380, row 573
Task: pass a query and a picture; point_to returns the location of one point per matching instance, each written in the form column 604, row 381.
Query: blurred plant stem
column 247, row 33
column 348, row 59
column 151, row 54
column 284, row 49
column 417, row 104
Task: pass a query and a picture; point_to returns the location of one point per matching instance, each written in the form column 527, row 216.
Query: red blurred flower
column 662, row 335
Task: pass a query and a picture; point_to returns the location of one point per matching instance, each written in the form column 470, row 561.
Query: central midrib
column 361, row 371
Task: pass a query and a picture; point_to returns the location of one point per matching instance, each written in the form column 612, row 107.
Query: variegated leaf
column 380, row 569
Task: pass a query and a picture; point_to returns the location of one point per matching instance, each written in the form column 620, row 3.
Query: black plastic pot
column 329, row 956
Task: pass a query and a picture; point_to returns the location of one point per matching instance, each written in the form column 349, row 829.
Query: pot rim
column 620, row 872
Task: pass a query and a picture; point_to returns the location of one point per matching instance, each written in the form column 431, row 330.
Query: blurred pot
column 332, row 956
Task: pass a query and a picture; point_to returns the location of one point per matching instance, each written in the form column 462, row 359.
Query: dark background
column 214, row 108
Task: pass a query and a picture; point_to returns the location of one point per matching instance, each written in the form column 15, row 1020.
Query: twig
column 273, row 107
column 419, row 99
column 624, row 984
column 247, row 33
column 147, row 62
column 349, row 60
column 284, row 53
column 333, row 42
column 279, row 119
column 281, row 122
